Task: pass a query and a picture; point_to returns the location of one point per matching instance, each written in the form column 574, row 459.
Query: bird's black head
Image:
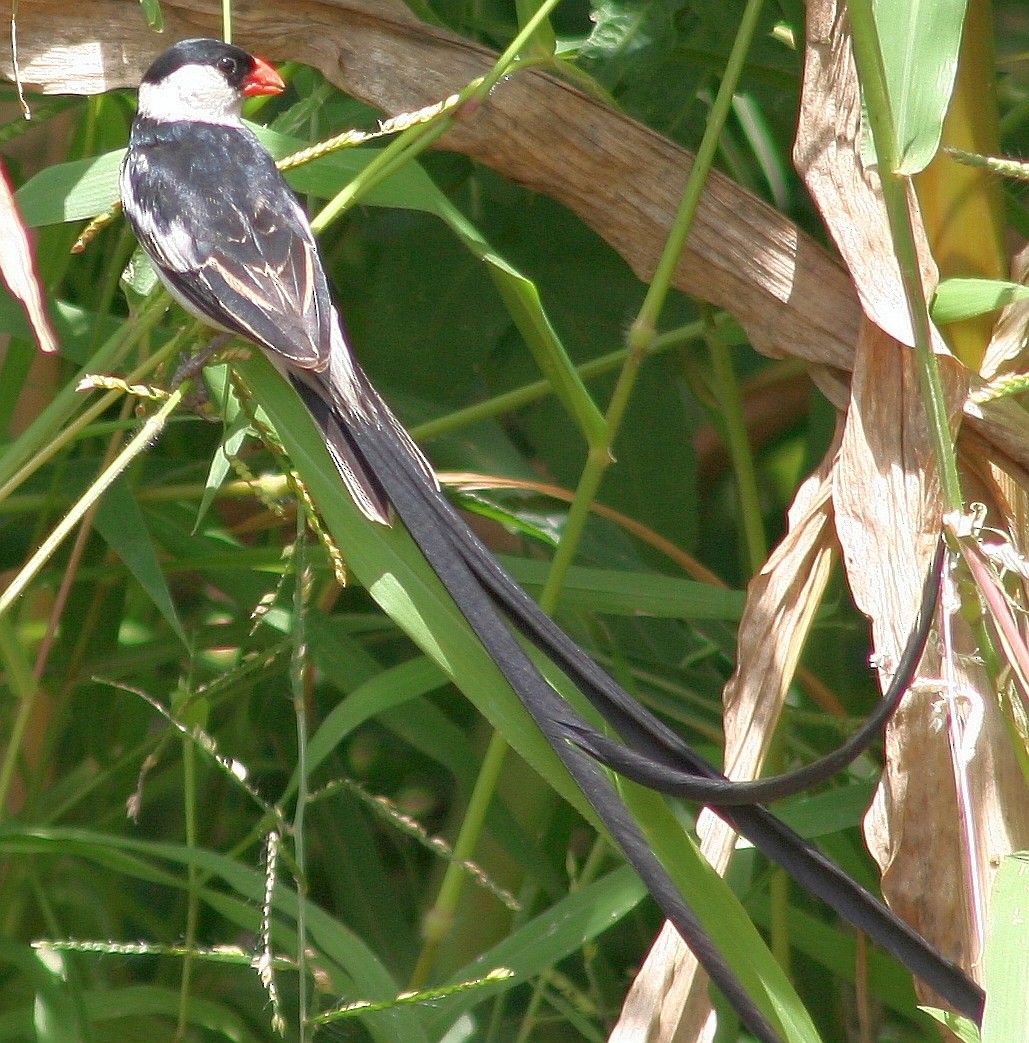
column 235, row 64
column 204, row 80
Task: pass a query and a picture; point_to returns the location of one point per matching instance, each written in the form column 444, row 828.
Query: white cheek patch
column 192, row 92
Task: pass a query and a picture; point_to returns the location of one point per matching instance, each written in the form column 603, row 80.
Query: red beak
column 263, row 80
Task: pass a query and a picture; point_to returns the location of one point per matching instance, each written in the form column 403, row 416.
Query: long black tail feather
column 555, row 718
column 652, row 752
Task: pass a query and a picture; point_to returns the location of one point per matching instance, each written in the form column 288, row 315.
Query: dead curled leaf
column 827, row 153
column 669, row 999
column 936, row 857
column 18, row 267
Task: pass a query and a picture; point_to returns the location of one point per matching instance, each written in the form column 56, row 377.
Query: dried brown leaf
column 1006, row 352
column 668, row 1001
column 888, row 518
column 843, row 182
column 18, row 267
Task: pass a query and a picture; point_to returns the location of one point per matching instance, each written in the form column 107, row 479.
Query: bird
column 233, row 246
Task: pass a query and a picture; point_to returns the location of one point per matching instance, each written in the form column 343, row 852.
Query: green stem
column 440, row 919
column 150, row 431
column 578, row 515
column 540, row 389
column 642, row 335
column 895, row 188
column 730, row 407
column 189, row 801
column 41, row 440
column 297, row 676
column 416, row 140
column 26, row 688
column 646, row 322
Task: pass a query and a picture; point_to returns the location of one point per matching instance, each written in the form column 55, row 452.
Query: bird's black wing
column 232, row 245
column 228, row 237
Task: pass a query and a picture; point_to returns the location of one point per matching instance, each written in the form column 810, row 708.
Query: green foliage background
column 185, row 590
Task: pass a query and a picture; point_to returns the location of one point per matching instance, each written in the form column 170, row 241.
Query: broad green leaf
column 721, row 915
column 120, row 522
column 919, row 40
column 545, row 940
column 829, row 811
column 73, row 191
column 966, row 1030
column 633, row 593
column 958, row 299
column 152, row 13
column 1006, row 979
column 543, row 43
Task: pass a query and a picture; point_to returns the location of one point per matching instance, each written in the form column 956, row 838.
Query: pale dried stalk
column 668, row 1000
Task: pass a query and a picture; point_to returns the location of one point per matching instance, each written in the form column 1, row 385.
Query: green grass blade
column 958, row 299
column 722, row 916
column 1006, row 1016
column 397, row 576
column 120, row 521
column 546, row 939
column 632, row 593
column 920, row 40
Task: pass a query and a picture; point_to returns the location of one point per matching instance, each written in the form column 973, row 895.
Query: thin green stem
column 26, row 688
column 417, row 139
column 642, row 334
column 297, row 676
column 438, row 921
column 646, row 321
column 895, row 188
column 540, row 389
column 730, row 407
column 189, row 802
column 41, row 439
column 150, row 431
column 578, row 515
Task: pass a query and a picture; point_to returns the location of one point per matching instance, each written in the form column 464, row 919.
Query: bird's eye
column 227, row 65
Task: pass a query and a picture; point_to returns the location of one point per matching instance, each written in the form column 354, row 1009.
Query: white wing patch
column 177, row 247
